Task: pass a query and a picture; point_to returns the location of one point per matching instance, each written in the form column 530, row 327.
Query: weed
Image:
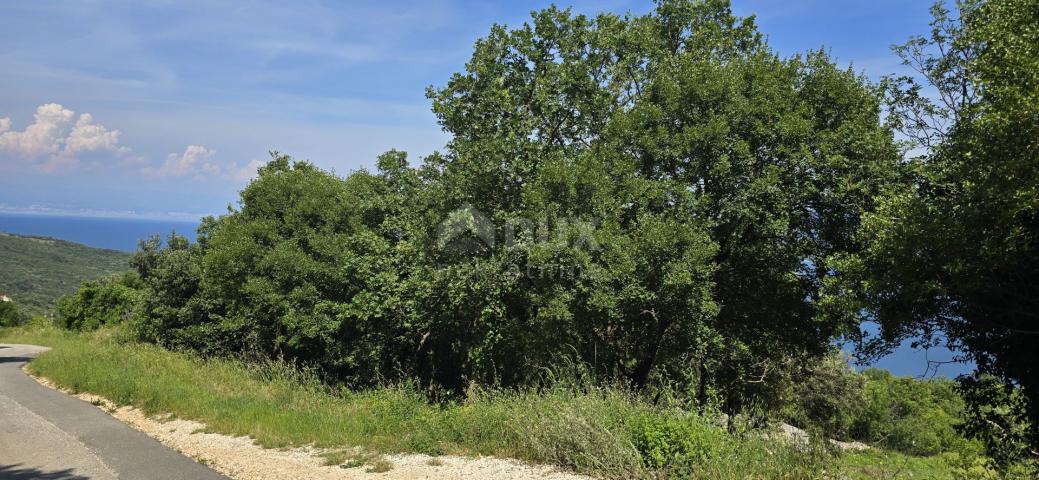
column 381, row 465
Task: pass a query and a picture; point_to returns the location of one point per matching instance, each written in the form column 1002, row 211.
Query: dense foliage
column 656, row 198
column 914, row 416
column 827, row 397
column 998, row 415
column 955, row 253
column 35, row 271
column 10, row 315
column 104, row 301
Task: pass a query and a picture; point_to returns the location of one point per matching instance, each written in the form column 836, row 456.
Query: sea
column 100, row 232
column 124, row 233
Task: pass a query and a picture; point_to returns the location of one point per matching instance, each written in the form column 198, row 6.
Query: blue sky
column 163, row 109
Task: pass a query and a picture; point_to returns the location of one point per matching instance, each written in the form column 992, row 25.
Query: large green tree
column 307, row 268
column 954, row 251
column 685, row 112
column 656, row 198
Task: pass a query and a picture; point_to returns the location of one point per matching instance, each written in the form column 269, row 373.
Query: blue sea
column 917, row 362
column 123, row 234
column 113, row 233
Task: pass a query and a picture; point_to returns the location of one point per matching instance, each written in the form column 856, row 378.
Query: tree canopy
column 952, row 251
column 657, row 198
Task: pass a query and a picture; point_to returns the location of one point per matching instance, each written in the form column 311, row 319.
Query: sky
column 165, row 108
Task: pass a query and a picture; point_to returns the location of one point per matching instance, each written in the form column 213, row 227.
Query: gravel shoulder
column 240, row 458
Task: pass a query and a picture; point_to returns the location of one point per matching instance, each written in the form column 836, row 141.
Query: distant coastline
column 118, row 233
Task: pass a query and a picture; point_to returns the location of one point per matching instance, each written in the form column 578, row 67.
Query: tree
column 954, row 249
column 306, row 269
column 686, row 113
column 656, row 198
column 997, row 414
column 9, row 314
column 96, row 303
column 172, row 312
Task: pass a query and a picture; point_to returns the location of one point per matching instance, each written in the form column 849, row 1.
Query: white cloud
column 56, row 138
column 43, row 137
column 243, row 173
column 87, row 136
column 198, row 163
column 194, row 161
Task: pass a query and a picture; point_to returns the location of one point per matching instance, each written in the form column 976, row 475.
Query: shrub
column 10, row 315
column 677, row 443
column 828, row 397
column 589, row 430
column 997, row 415
column 913, row 416
column 96, row 303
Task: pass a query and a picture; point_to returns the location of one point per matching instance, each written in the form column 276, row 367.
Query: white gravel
column 241, row 458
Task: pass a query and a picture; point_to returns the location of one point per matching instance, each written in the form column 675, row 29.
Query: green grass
column 604, row 432
column 34, row 271
column 875, row 464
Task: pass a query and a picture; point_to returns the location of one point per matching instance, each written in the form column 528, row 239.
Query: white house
column 4, row 298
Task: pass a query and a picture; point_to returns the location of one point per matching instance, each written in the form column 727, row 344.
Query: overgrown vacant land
column 599, row 430
column 633, row 259
column 34, row 271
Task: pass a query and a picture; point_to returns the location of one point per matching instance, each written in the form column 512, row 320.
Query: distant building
column 5, row 298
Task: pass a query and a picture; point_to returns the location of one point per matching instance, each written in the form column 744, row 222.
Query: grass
column 357, row 457
column 603, row 432
column 380, row 466
column 876, row 464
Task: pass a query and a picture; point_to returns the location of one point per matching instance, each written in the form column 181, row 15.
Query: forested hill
column 34, row 271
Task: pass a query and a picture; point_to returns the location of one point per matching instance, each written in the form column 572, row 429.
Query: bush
column 828, row 397
column 606, row 432
column 10, row 315
column 997, row 416
column 96, row 303
column 677, row 443
column 914, row 416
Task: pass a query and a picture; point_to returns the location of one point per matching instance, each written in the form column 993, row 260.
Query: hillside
column 36, row 270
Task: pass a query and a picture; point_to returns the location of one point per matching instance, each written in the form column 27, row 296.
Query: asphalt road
column 45, row 434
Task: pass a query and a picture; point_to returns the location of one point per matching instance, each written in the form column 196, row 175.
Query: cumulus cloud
column 56, row 137
column 43, row 137
column 87, row 136
column 245, row 172
column 195, row 161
